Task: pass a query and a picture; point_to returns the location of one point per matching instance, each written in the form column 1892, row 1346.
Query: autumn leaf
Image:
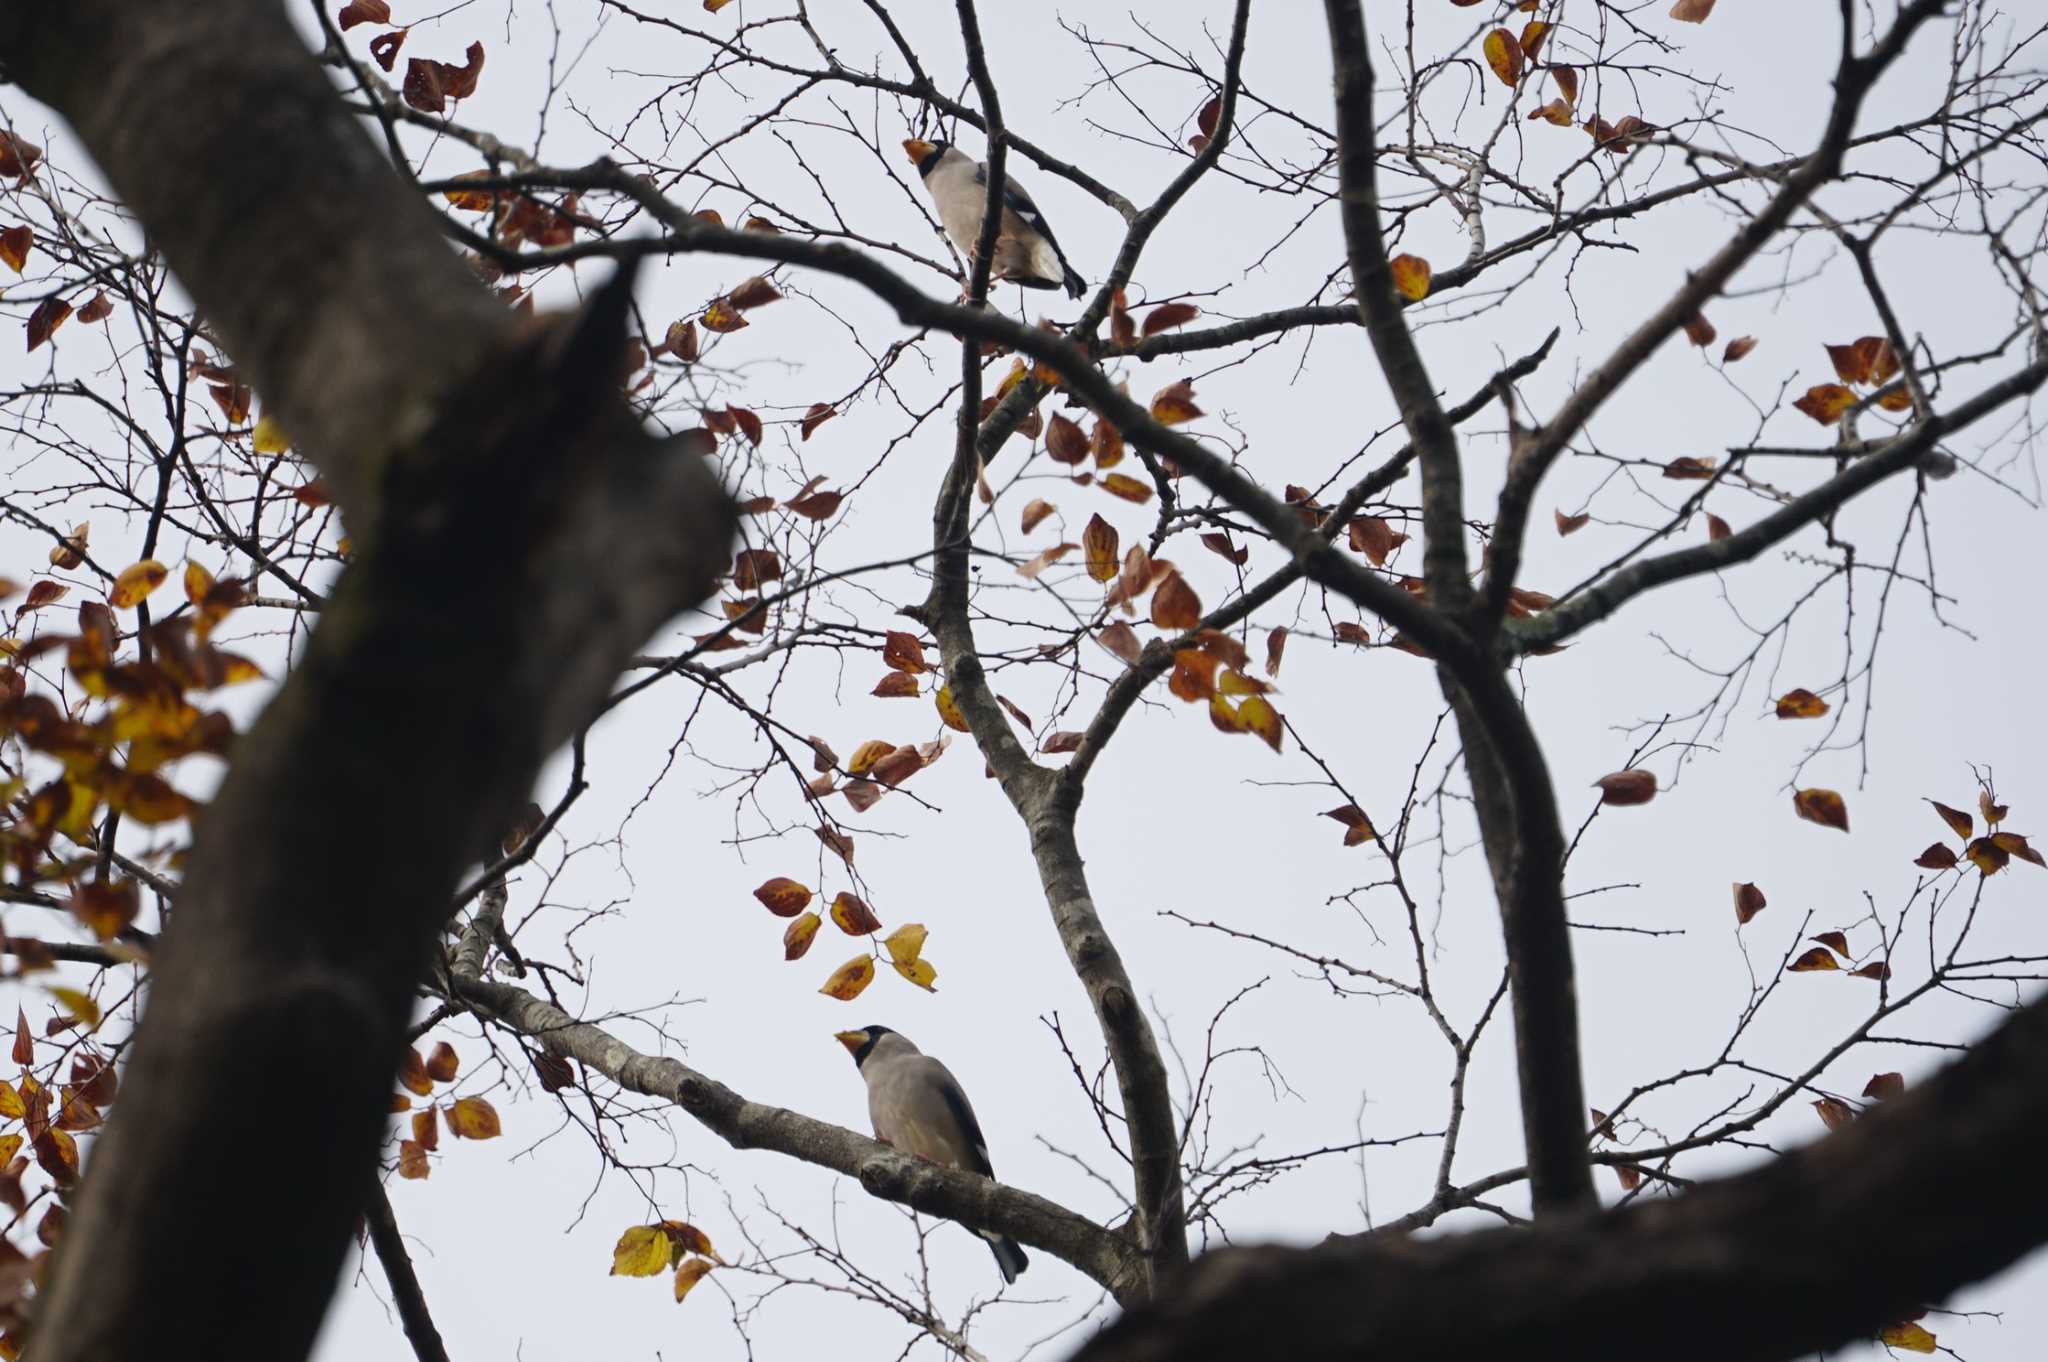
column 817, row 505
column 443, row 1064
column 1099, row 540
column 1220, row 545
column 363, row 12
column 1801, row 704
column 1107, row 442
column 1044, row 559
column 949, row 713
column 903, row 652
column 1816, row 958
column 1994, row 813
column 1834, row 1112
column 1741, row 345
column 906, row 943
column 783, row 897
column 753, row 293
column 752, row 567
column 1689, row 467
column 1699, row 330
column 1035, row 513
column 1876, row 969
column 1907, row 1336
column 472, row 1118
column 81, row 1007
column 723, row 317
column 1276, row 648
column 98, row 309
column 1411, row 277
column 1936, row 857
column 412, row 1074
column 106, row 908
column 1692, row 11
column 136, row 582
column 691, row 1270
column 1357, row 827
column 1175, row 605
column 1717, row 528
column 1167, row 316
column 1884, row 1086
column 15, row 243
column 1634, row 786
column 426, row 1129
column 44, row 321
column 1373, row 537
column 1122, row 642
column 1749, row 901
column 2012, row 844
column 1125, row 486
column 384, row 47
column 1824, row 807
column 852, row 916
column 1257, row 715
column 1171, row 405
column 24, row 1044
column 846, row 982
column 1825, row 402
column 1571, row 524
column 1064, row 740
column 641, row 1252
column 1504, row 54
column 1987, row 856
column 896, row 686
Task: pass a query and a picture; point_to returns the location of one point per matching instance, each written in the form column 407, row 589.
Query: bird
column 917, row 1107
column 1026, row 253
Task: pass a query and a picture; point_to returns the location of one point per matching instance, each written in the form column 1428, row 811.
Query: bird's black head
column 925, row 154
column 859, row 1043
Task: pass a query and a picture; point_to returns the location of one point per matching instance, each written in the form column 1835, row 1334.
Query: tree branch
column 405, row 1283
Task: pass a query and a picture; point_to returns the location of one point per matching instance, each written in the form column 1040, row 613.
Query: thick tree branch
column 1816, row 1249
column 972, row 1200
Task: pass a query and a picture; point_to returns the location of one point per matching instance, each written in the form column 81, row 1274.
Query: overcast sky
column 512, row 1238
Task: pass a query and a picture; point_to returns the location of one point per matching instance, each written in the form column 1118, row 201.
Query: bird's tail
column 1075, row 286
column 1009, row 1256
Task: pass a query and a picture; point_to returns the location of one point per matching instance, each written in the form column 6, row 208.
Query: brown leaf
column 18, row 157
column 1876, row 969
column 426, row 1128
column 753, row 293
column 751, row 567
column 1099, row 541
column 1741, row 345
column 2012, row 844
column 1824, row 807
column 1373, row 537
column 1174, row 604
column 1171, row 405
column 44, row 321
column 852, row 915
column 1994, row 813
column 1122, row 642
column 1883, row 1086
column 1167, row 316
column 1717, row 528
column 1801, row 704
column 1276, row 646
column 903, row 652
column 1065, row 740
column 1689, row 467
column 1816, row 958
column 783, row 896
column 1692, row 11
column 896, row 686
column 412, row 1074
column 1044, row 559
column 1838, row 942
column 24, row 1043
column 1220, row 544
column 1107, row 442
column 442, row 1063
column 1987, row 856
column 1834, row 1112
column 1749, row 901
column 1936, row 857
column 836, row 842
column 817, row 505
column 817, row 415
column 1699, row 330
column 1357, row 827
column 1571, row 524
column 384, row 47
column 723, row 317
column 797, row 937
column 15, row 243
column 1634, row 786
column 1035, row 513
column 363, row 12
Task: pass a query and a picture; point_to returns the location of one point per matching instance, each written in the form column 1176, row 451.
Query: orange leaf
column 1825, row 402
column 1125, row 486
column 797, row 937
column 895, row 686
column 1099, row 539
column 949, row 713
column 1357, row 827
column 1167, row 316
column 692, row 1270
column 1571, row 524
column 852, row 915
column 412, row 1074
column 44, row 321
column 1801, row 704
column 903, row 652
column 1411, row 277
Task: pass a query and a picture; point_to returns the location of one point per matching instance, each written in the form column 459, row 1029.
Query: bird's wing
column 1018, row 202
column 956, row 1102
column 918, row 1107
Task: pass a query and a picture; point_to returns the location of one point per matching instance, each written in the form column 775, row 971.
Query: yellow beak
column 852, row 1040
column 917, row 150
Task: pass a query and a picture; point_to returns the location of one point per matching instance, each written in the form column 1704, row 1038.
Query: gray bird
column 1026, row 253
column 917, row 1107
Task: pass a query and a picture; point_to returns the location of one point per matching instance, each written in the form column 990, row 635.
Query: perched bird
column 1026, row 253
column 917, row 1107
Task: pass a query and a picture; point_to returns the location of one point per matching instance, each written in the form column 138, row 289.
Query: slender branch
column 405, row 1283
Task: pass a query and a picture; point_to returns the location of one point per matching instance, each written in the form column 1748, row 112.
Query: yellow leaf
column 135, row 583
column 1504, row 55
column 83, row 1007
column 949, row 713
column 906, row 942
column 269, row 437
column 1257, row 715
column 1100, row 541
column 919, row 972
column 1909, row 1336
column 1125, row 486
column 1175, row 403
column 10, row 1105
column 849, row 979
column 10, row 1145
column 797, row 937
column 1825, row 402
column 692, row 1271
column 1411, row 277
column 852, row 915
column 867, row 754
column 198, row 581
column 722, row 316
column 641, row 1252
column 473, row 1118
